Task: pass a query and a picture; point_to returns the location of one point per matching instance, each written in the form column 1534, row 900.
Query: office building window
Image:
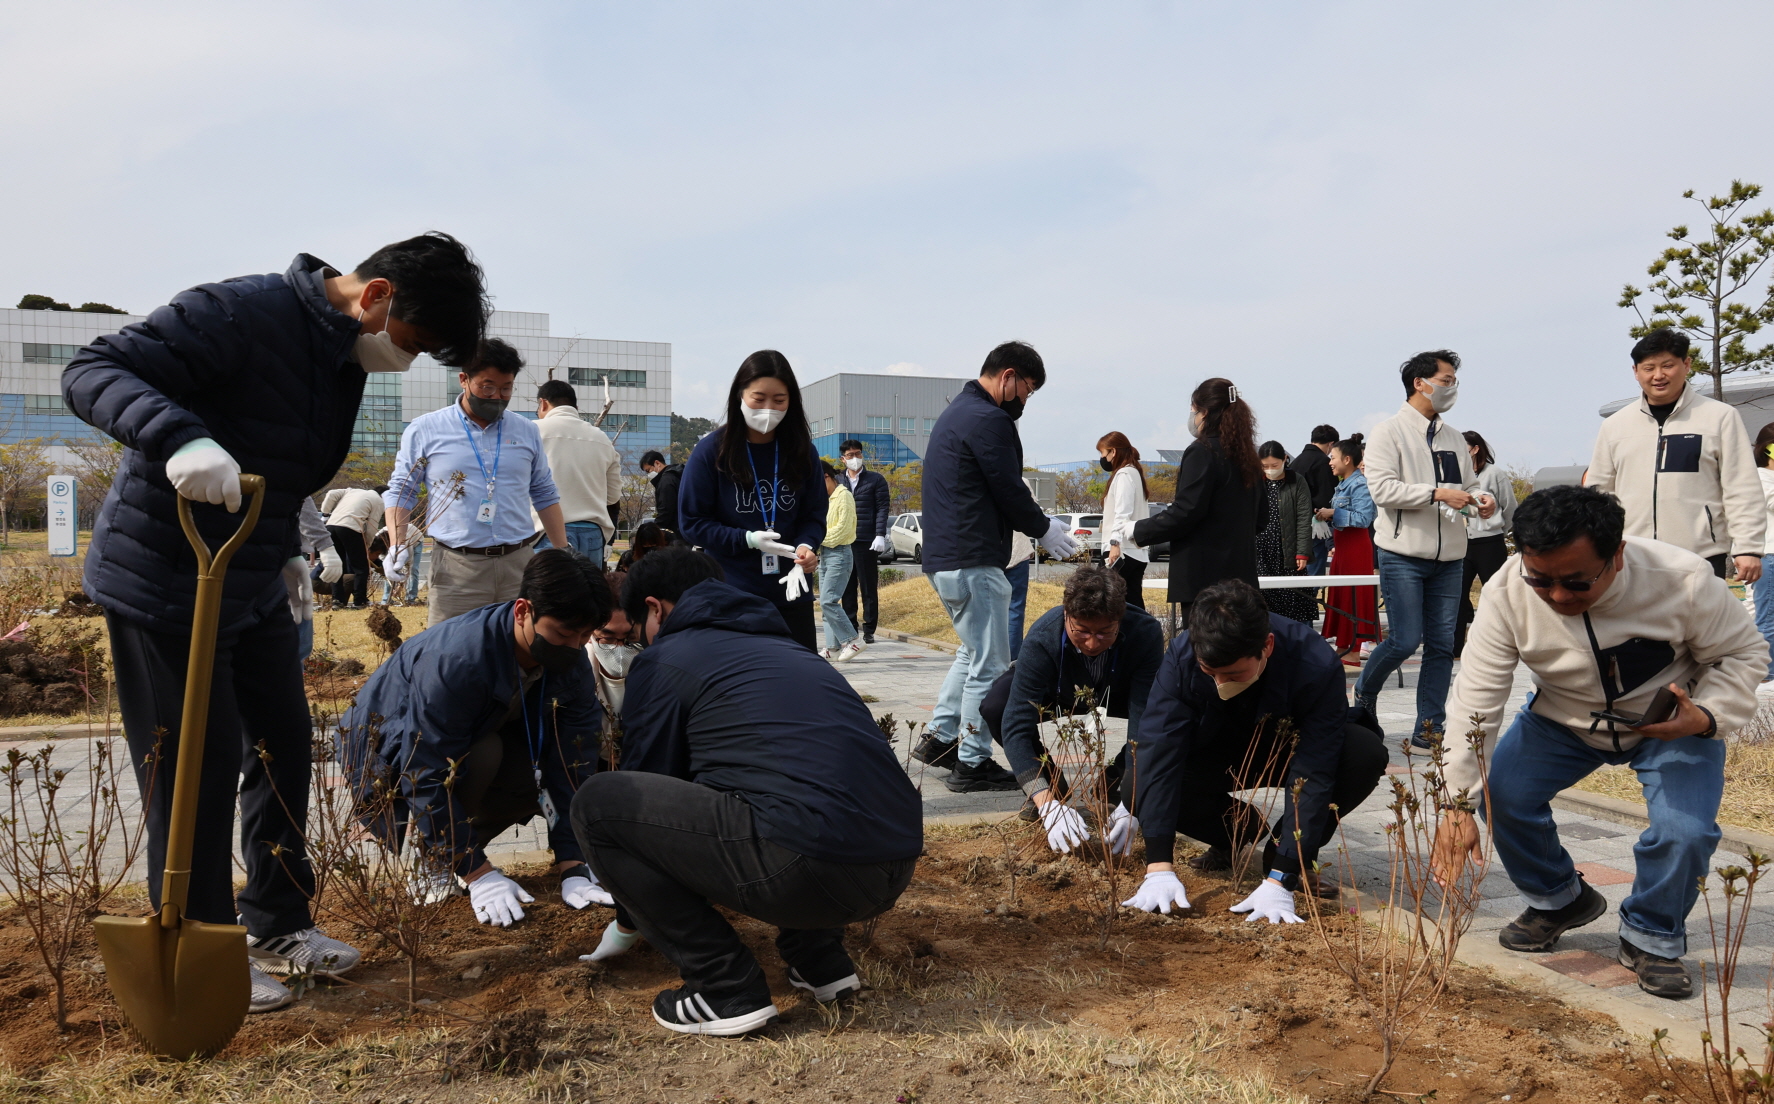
column 908, row 425
column 929, row 424
column 618, row 377
column 880, row 423
column 831, row 425
column 49, row 354
column 46, row 404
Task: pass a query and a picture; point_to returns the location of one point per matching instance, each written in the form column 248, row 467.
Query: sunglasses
column 1575, row 586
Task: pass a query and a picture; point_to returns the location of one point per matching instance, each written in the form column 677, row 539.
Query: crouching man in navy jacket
column 483, row 721
column 752, row 777
column 261, row 374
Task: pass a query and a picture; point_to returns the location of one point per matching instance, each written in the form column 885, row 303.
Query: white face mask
column 378, row 352
column 614, row 659
column 1194, row 423
column 1230, row 690
column 1278, row 473
column 854, row 463
column 764, row 421
column 1443, row 395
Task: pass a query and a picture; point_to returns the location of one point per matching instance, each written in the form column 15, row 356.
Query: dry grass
column 1749, row 781
column 912, row 607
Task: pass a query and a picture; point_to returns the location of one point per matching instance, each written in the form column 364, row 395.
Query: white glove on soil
column 202, row 471
column 615, row 942
column 879, row 544
column 794, row 584
column 1272, row 902
column 332, row 568
column 1064, row 825
column 300, row 588
column 394, row 564
column 428, row 887
column 577, row 892
column 1158, row 893
column 1058, row 541
column 497, row 899
column 1123, row 826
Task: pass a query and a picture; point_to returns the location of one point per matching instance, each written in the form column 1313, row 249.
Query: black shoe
column 693, row 1014
column 1422, row 739
column 1658, row 976
column 830, row 991
column 1030, row 812
column 935, row 752
column 868, row 638
column 984, row 775
column 1537, row 930
column 1214, row 858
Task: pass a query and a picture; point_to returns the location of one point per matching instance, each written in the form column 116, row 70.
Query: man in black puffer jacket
column 259, row 374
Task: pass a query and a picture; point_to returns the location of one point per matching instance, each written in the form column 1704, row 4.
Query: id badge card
column 484, row 515
column 549, row 813
column 769, row 563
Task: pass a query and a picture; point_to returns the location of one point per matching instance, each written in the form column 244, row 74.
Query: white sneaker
column 269, row 994
column 827, row 653
column 851, row 650
column 311, row 951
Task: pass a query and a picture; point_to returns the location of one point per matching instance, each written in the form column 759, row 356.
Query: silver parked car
column 905, row 537
column 1087, row 530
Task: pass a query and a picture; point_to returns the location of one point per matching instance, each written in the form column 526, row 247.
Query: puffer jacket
column 1690, row 482
column 1405, row 467
column 261, row 364
column 974, row 494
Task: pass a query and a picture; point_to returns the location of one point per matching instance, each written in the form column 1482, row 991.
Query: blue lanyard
column 775, row 487
column 523, row 701
column 1059, row 686
column 498, row 448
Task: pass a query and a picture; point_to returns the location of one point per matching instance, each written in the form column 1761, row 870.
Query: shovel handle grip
column 181, row 828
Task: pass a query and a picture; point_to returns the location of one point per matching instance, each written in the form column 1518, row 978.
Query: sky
column 1296, row 196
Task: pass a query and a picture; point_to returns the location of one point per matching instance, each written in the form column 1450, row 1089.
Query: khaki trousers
column 461, row 581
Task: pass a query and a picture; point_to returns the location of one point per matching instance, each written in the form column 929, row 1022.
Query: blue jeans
column 835, row 565
column 1321, row 554
column 978, row 602
column 583, row 537
column 1422, row 603
column 1019, row 598
column 1683, row 780
column 1764, row 596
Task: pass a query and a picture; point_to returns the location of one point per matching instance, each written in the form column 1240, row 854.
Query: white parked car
column 1087, row 530
column 906, row 536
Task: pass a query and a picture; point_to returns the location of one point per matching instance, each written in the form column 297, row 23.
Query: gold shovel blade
column 184, row 990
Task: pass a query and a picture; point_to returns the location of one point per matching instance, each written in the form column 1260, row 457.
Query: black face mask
column 486, row 410
column 1108, row 467
column 556, row 659
column 1012, row 407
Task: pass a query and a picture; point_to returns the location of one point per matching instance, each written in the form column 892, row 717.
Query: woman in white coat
column 1124, row 505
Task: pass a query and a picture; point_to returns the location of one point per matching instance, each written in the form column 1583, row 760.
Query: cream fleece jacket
column 1665, row 618
column 587, row 471
column 1403, row 473
column 1691, row 481
column 357, row 509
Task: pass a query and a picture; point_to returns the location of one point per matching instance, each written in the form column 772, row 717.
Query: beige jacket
column 1691, row 481
column 357, row 509
column 1403, row 473
column 1665, row 618
column 587, row 471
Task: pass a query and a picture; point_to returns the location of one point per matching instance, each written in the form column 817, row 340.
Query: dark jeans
column 1321, row 552
column 670, row 851
column 1718, row 568
column 802, row 624
column 865, row 578
column 348, row 543
column 1484, row 555
column 1209, row 812
column 1019, row 601
column 991, row 711
column 1133, row 572
column 256, row 695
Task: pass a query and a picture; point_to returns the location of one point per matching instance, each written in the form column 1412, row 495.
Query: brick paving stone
column 1591, row 968
column 1598, row 875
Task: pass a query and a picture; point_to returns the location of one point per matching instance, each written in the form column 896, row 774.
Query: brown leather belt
column 492, row 549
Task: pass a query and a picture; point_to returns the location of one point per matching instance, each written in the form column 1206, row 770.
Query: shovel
column 182, row 983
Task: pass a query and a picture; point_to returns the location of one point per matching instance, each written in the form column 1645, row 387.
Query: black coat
column 1211, row 527
column 1315, row 468
column 974, row 494
column 665, row 496
column 261, row 365
column 872, row 499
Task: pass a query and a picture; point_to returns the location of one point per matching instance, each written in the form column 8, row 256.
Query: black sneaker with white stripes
column 694, row 1014
column 843, row 987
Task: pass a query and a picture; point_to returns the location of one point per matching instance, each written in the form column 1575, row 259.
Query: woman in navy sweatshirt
column 753, row 494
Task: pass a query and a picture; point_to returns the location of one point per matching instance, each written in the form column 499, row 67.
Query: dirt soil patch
column 971, row 995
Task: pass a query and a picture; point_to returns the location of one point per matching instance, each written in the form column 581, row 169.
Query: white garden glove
column 1271, row 901
column 1058, row 541
column 1064, row 825
column 615, row 942
column 332, row 568
column 578, row 891
column 1123, row 826
column 428, row 886
column 394, row 564
column 1158, row 893
column 768, row 541
column 497, row 899
column 879, row 544
column 202, row 471
column 794, row 584
column 300, row 587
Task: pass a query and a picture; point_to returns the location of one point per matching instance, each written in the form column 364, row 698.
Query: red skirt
column 1352, row 614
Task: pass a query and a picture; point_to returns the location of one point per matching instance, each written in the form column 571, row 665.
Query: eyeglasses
column 1107, row 634
column 1575, row 586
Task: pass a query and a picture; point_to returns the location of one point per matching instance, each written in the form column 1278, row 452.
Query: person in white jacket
column 587, row 470
column 1681, row 463
column 1603, row 623
column 1487, row 539
column 1764, row 586
column 1124, row 506
column 1420, row 475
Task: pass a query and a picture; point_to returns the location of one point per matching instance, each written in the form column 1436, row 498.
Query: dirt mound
column 384, row 626
column 49, row 678
column 76, row 604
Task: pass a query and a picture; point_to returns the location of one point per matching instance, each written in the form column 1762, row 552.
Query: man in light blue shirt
column 482, row 472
